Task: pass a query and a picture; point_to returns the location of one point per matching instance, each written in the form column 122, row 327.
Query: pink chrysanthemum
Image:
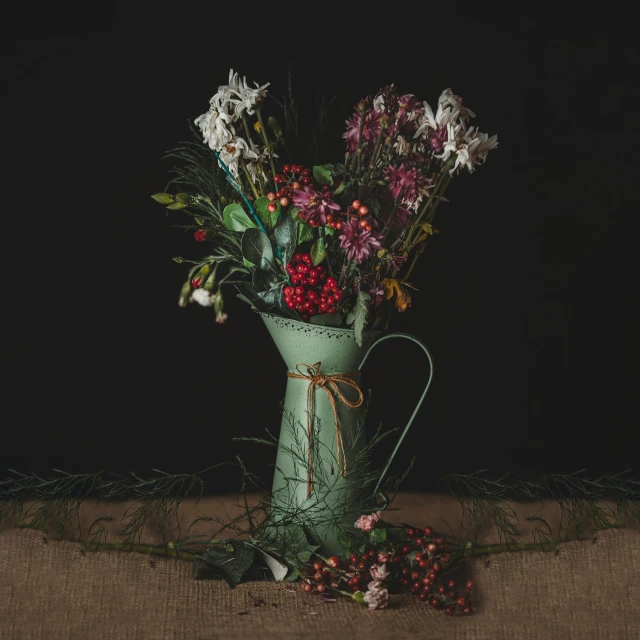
column 370, row 129
column 314, row 205
column 404, row 181
column 358, row 243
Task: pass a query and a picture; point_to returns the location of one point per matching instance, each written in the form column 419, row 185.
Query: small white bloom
column 379, row 571
column 203, row 297
column 231, row 152
column 443, row 117
column 376, row 597
column 216, row 128
column 378, row 103
column 221, row 317
column 447, row 98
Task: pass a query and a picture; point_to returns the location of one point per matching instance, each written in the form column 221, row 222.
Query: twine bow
column 330, row 386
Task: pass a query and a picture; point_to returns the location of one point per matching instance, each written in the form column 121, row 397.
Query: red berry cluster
column 315, row 291
column 422, row 574
column 292, row 178
column 200, row 235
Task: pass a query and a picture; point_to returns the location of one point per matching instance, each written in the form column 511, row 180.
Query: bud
column 211, row 280
column 174, row 206
column 201, row 276
column 257, row 126
column 183, row 198
column 162, row 198
column 185, row 294
column 178, row 259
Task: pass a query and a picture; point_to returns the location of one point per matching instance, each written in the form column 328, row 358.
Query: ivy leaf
column 378, row 535
column 318, row 252
column 286, row 236
column 358, row 315
column 269, row 219
column 232, row 565
column 327, row 319
column 256, row 248
column 322, row 174
column 235, row 218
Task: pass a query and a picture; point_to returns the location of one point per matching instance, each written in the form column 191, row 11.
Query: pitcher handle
column 415, row 411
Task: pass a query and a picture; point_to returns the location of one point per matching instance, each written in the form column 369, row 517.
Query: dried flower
column 367, row 522
column 376, row 596
column 379, row 571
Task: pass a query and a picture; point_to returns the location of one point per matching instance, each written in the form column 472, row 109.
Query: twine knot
column 330, row 385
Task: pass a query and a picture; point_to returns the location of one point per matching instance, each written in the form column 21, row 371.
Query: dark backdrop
column 528, row 297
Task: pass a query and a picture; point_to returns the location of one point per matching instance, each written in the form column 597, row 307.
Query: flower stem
column 246, row 171
column 470, row 549
column 265, row 137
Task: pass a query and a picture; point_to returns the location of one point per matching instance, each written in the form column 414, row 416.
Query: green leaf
column 235, row 218
column 286, row 236
column 230, row 565
column 327, row 319
column 176, row 205
column 265, row 280
column 247, row 263
column 358, row 315
column 256, row 248
column 305, row 232
column 162, row 198
column 378, row 535
column 294, row 212
column 328, row 231
column 269, row 219
column 184, row 198
column 318, row 252
column 341, row 187
column 322, row 174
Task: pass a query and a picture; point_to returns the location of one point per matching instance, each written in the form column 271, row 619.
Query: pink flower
column 370, row 129
column 376, row 596
column 367, row 522
column 314, row 205
column 379, row 571
column 404, row 181
column 358, row 243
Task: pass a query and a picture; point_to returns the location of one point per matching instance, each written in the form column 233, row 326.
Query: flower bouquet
column 324, row 252
column 329, row 244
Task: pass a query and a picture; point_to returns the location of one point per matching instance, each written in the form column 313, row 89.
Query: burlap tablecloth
column 52, row 590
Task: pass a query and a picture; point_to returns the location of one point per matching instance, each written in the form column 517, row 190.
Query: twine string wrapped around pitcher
column 330, row 385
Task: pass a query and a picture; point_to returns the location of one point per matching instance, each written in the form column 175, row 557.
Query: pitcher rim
column 372, row 332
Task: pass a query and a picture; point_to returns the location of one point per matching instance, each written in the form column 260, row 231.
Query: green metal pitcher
column 320, row 471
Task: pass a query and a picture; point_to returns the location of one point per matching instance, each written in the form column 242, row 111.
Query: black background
column 528, row 297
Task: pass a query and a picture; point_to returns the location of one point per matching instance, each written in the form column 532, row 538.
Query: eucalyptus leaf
column 265, row 280
column 232, row 565
column 256, row 248
column 235, row 218
column 318, row 252
column 327, row 319
column 269, row 218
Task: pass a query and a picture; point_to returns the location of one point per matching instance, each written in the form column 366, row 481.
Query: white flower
column 203, row 297
column 471, row 148
column 221, row 317
column 401, row 146
column 216, row 128
column 444, row 116
column 376, row 596
column 379, row 571
column 231, row 152
column 257, row 162
column 447, row 98
column 247, row 98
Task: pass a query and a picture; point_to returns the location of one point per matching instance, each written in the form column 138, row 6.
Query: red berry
column 428, row 531
column 451, row 584
column 363, row 210
column 306, row 172
column 300, row 290
column 284, row 201
column 423, row 595
column 299, row 298
column 466, row 611
column 415, row 587
column 313, row 281
column 331, row 310
column 291, row 304
column 323, row 307
column 339, row 225
column 306, row 257
column 271, row 196
column 287, row 168
column 469, row 585
column 272, row 207
column 334, row 562
column 307, row 587
column 436, row 566
column 461, row 602
column 318, row 577
column 296, row 185
column 411, row 533
column 356, row 204
column 405, row 548
column 431, row 547
column 423, row 563
column 449, row 610
column 419, row 541
column 434, row 602
column 321, row 588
